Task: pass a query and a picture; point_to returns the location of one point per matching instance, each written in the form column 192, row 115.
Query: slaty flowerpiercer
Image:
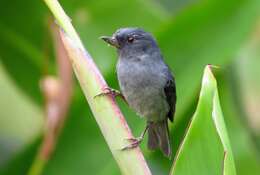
column 146, row 83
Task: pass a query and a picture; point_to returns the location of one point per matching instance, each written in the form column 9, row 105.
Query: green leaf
column 206, row 148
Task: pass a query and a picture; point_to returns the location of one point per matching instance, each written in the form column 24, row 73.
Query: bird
column 146, row 83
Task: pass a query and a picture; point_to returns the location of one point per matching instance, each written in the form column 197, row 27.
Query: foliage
column 200, row 33
column 206, row 152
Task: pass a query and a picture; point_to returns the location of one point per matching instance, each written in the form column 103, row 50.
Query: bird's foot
column 134, row 143
column 110, row 91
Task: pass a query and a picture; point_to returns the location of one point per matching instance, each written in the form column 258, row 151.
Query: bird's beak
column 110, row 40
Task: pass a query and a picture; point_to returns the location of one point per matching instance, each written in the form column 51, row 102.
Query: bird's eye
column 130, row 39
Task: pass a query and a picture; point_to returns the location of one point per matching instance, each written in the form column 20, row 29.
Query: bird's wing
column 170, row 93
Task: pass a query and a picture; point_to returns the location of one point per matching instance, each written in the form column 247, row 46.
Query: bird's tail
column 158, row 136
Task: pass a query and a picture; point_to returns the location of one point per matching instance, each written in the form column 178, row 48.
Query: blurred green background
column 191, row 34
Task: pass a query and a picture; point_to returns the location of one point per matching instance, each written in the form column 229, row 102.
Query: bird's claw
column 109, row 91
column 134, row 143
column 134, row 139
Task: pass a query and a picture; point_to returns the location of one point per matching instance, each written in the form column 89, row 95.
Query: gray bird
column 146, row 83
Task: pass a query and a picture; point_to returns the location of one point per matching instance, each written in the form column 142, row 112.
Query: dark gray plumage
column 146, row 83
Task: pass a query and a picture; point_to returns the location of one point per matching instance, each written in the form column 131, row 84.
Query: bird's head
column 131, row 40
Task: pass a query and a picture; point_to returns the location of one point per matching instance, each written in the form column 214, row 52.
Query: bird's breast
column 142, row 85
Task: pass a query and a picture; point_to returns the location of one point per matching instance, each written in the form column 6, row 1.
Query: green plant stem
column 64, row 21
